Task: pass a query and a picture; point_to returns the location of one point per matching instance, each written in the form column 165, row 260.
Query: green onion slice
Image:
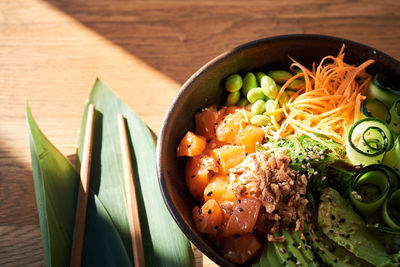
column 369, row 189
column 391, row 209
column 376, row 109
column 368, row 140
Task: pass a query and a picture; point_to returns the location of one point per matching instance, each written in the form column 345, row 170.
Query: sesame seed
column 216, row 227
column 209, row 211
column 239, row 201
column 315, row 173
column 209, row 193
column 308, row 164
column 240, row 209
column 194, row 175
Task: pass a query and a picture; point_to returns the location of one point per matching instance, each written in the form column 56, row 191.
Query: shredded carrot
column 328, row 104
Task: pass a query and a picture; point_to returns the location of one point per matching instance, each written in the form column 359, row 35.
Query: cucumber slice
column 381, row 88
column 393, row 176
column 376, row 109
column 391, row 209
column 368, row 140
column 369, row 189
column 394, row 124
column 392, row 158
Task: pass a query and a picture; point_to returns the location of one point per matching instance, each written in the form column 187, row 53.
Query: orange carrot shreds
column 328, row 104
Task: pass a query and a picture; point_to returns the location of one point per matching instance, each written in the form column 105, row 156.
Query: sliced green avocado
column 339, row 222
column 330, row 253
column 305, row 248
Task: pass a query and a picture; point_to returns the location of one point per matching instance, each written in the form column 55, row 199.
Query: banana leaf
column 107, row 237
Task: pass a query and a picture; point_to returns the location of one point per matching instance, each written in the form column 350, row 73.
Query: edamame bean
column 233, row 83
column 243, row 102
column 255, row 94
column 283, row 99
column 269, row 87
column 260, row 120
column 296, row 85
column 290, row 93
column 258, row 107
column 269, row 107
column 280, row 76
column 297, row 71
column 259, row 76
column 232, row 98
column 249, row 82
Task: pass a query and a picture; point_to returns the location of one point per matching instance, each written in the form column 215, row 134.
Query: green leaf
column 107, row 236
column 164, row 243
column 56, row 186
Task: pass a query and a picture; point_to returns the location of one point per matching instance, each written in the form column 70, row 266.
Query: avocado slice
column 330, row 253
column 339, row 222
column 305, row 248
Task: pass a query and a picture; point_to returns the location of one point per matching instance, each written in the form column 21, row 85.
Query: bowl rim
column 212, row 254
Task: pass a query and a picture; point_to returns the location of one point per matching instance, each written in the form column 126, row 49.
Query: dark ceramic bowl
column 205, row 87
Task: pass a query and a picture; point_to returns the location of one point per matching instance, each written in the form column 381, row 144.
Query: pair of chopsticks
column 133, row 212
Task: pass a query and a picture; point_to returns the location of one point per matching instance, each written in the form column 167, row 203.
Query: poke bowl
column 210, row 87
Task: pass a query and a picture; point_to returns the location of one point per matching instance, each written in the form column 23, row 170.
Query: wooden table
column 52, row 51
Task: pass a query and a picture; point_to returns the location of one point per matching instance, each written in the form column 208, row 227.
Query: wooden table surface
column 52, row 51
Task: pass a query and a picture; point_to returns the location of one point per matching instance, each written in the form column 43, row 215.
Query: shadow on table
column 172, row 37
column 17, row 195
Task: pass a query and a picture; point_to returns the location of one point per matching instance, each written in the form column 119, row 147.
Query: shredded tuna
column 281, row 189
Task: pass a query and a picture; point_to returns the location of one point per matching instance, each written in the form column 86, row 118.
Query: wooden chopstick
column 133, row 212
column 80, row 215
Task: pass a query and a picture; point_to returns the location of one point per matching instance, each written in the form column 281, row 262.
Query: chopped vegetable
column 328, row 104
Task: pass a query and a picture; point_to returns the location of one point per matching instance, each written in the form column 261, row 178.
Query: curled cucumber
column 391, row 211
column 369, row 189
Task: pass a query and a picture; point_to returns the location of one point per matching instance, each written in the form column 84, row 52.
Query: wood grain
column 52, row 51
